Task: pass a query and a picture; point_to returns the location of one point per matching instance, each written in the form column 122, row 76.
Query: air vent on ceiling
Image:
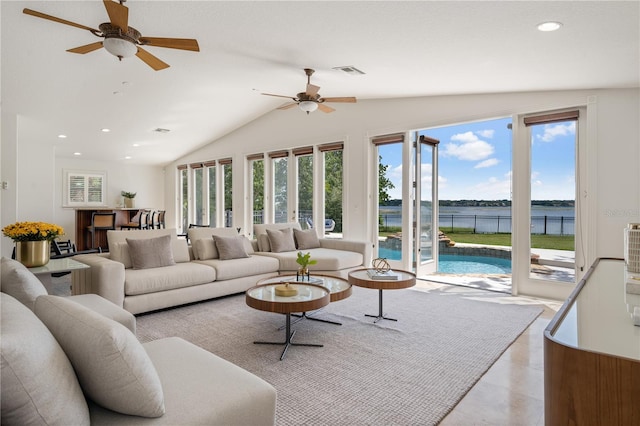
column 161, row 130
column 349, row 69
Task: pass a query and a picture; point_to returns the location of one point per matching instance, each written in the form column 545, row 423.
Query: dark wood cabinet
column 83, row 222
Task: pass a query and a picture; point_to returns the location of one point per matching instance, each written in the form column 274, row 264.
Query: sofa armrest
column 362, row 247
column 104, row 277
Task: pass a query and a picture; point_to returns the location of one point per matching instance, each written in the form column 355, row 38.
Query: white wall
column 614, row 198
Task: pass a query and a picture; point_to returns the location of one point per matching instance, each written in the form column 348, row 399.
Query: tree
column 333, row 181
column 384, row 184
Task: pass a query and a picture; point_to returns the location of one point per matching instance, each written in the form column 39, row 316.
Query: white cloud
column 551, row 131
column 490, row 162
column 471, row 147
column 488, row 133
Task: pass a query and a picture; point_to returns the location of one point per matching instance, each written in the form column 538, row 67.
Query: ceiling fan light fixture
column 308, row 106
column 120, row 48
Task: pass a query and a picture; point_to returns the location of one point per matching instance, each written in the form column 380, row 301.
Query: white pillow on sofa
column 39, row 385
column 17, row 281
column 112, row 367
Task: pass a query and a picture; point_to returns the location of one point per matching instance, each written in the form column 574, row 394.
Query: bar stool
column 142, row 223
column 101, row 221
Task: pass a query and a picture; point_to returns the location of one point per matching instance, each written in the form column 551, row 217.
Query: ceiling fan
column 310, row 99
column 121, row 40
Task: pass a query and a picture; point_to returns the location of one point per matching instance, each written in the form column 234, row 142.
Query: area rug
column 409, row 372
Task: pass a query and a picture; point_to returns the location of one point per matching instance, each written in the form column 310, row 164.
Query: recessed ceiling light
column 549, row 26
column 136, row 144
column 77, row 153
column 62, row 136
column 127, row 157
column 105, row 130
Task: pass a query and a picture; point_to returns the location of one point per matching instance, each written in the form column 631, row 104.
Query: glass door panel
column 425, row 212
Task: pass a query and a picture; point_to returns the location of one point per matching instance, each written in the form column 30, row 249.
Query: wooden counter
column 592, row 353
column 83, row 221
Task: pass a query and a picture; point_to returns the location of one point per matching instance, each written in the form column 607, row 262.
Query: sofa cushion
column 230, row 247
column 204, row 249
column 281, row 240
column 143, row 281
column 263, row 242
column 39, row 385
column 106, row 308
column 328, row 259
column 112, row 366
column 151, row 252
column 240, row 268
column 306, row 239
column 17, row 281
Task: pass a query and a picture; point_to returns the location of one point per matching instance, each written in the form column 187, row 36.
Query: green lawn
column 462, row 235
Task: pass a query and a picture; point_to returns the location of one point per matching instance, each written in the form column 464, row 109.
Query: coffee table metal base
column 305, row 316
column 288, row 341
column 380, row 315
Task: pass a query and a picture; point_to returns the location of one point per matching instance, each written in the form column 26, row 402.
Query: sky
column 474, row 161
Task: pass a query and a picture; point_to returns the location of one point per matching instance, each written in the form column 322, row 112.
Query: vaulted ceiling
column 405, row 49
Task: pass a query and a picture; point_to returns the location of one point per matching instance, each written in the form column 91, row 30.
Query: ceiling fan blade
column 118, row 14
column 278, row 96
column 172, row 43
column 86, row 48
column 288, row 106
column 151, row 60
column 325, row 108
column 348, row 99
column 312, row 90
column 59, row 20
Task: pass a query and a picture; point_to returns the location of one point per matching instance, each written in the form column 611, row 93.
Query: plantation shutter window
column 84, row 188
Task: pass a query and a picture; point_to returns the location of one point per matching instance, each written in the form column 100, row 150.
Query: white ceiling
column 406, row 49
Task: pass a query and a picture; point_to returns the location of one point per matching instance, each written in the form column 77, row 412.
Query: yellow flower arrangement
column 32, row 231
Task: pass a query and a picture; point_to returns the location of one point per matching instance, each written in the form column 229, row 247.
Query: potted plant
column 33, row 241
column 304, row 260
column 128, row 199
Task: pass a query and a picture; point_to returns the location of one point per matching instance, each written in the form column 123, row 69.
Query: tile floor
column 512, row 391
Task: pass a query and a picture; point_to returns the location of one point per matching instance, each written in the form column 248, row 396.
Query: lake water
column 545, row 220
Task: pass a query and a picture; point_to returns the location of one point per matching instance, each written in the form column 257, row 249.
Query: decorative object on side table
column 381, row 270
column 33, row 241
column 304, row 260
column 128, row 199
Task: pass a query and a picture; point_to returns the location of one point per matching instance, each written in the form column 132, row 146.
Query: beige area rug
column 410, row 372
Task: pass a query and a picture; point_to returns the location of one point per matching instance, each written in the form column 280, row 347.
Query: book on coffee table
column 382, row 275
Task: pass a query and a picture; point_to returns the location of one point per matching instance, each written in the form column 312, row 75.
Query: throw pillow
column 206, row 249
column 263, row 243
column 281, row 240
column 112, row 367
column 151, row 252
column 39, row 385
column 306, row 239
column 230, row 247
column 17, row 281
column 119, row 252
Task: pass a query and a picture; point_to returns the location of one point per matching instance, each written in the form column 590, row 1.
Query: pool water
column 451, row 264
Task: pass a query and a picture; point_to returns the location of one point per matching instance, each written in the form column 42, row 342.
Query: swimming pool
column 451, row 264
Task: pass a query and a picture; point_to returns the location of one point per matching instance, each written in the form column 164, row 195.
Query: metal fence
column 486, row 224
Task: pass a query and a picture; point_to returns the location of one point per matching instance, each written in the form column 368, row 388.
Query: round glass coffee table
column 361, row 278
column 339, row 289
column 310, row 297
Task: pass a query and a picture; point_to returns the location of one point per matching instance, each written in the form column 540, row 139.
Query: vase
column 303, row 272
column 33, row 253
column 129, row 203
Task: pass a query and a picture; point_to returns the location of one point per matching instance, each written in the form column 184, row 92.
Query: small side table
column 65, row 264
column 310, row 297
column 361, row 278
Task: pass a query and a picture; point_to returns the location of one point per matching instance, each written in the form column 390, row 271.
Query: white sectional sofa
column 64, row 363
column 218, row 262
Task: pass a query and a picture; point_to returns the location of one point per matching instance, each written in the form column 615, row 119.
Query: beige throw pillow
column 112, row 367
column 281, row 240
column 306, row 239
column 17, row 281
column 39, row 386
column 230, row 247
column 263, row 242
column 151, row 252
column 206, row 249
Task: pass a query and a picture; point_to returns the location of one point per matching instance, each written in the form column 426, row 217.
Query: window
column 199, row 194
column 227, row 184
column 183, row 185
column 84, row 188
column 256, row 168
column 333, row 185
column 211, row 173
column 304, row 163
column 280, row 187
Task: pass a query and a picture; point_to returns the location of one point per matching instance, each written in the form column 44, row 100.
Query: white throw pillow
column 19, row 282
column 112, row 367
column 119, row 252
